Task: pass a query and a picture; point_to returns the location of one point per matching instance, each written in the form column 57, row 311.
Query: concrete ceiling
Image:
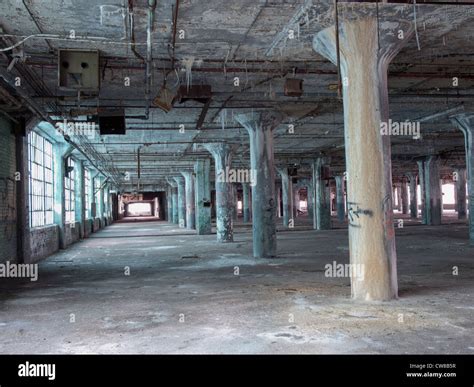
column 241, row 39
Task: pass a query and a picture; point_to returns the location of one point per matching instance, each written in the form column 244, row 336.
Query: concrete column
column 421, row 181
column 181, row 201
column 60, row 152
column 366, row 48
column 169, row 204
column 413, row 195
column 174, row 198
column 260, row 128
column 465, row 122
column 296, row 200
column 340, row 205
column 309, row 198
column 404, row 196
column 235, row 200
column 189, row 193
column 203, row 196
column 460, row 188
column 286, row 187
column 222, row 154
column 433, row 199
column 322, row 197
column 399, row 197
column 80, row 214
column 246, row 202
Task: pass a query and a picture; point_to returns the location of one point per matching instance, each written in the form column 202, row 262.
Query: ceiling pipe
column 131, row 25
column 149, row 56
column 38, row 111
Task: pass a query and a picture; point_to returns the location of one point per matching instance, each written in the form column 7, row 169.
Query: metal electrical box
column 293, row 87
column 79, row 70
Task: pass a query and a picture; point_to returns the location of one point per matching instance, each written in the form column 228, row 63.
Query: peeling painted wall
column 7, row 193
column 44, row 242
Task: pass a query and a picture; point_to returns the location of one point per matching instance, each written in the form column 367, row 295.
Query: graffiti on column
column 354, row 213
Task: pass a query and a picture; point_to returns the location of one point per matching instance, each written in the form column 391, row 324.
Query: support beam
column 260, row 128
column 202, row 169
column 286, row 187
column 460, row 188
column 340, row 203
column 189, row 193
column 169, row 204
column 222, row 154
column 366, row 47
column 181, row 201
column 404, row 196
column 421, row 180
column 246, row 202
column 433, row 199
column 465, row 122
column 321, row 197
column 413, row 195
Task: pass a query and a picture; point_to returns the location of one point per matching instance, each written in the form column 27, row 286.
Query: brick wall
column 7, row 192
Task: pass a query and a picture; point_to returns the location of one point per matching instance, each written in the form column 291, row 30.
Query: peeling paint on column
column 203, row 197
column 189, row 193
column 340, row 204
column 222, row 154
column 181, row 201
column 246, row 202
column 366, row 50
column 322, row 205
column 433, row 199
column 260, row 128
column 286, row 187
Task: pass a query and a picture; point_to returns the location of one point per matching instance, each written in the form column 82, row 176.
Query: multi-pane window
column 106, row 203
column 87, row 190
column 97, row 197
column 69, row 192
column 40, row 164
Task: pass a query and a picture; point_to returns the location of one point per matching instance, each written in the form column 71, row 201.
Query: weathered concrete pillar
column 398, row 195
column 296, row 200
column 202, row 169
column 175, row 201
column 366, row 47
column 80, row 214
column 460, row 188
column 189, row 192
column 246, row 202
column 309, row 198
column 340, row 204
column 278, row 200
column 465, row 122
column 321, row 197
column 260, row 126
column 413, row 195
column 169, row 204
column 421, row 181
column 286, row 187
column 222, row 154
column 235, row 201
column 433, row 199
column 60, row 153
column 404, row 196
column 181, row 201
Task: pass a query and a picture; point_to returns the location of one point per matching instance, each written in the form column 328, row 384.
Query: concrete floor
column 282, row 305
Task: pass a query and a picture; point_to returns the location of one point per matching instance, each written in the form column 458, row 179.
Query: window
column 97, row 197
column 106, row 203
column 40, row 164
column 69, row 193
column 87, row 190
